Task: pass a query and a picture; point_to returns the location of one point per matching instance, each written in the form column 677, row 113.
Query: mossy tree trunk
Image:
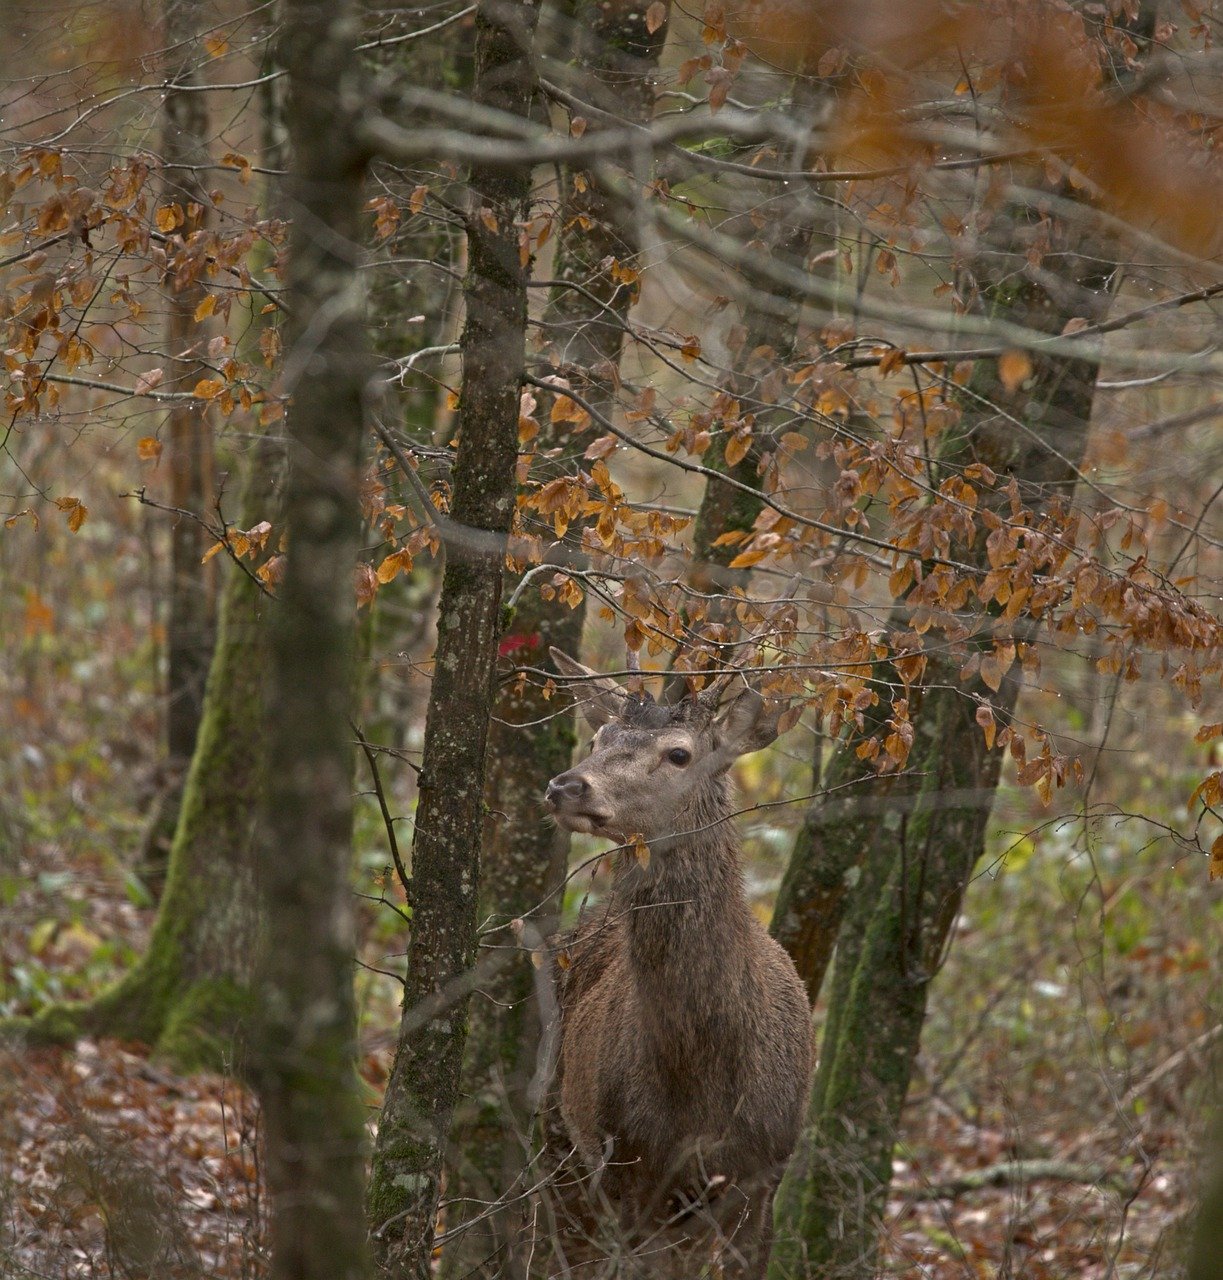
column 531, row 739
column 884, row 874
column 189, row 993
column 423, row 1089
column 190, row 623
column 305, row 1035
column 1206, row 1247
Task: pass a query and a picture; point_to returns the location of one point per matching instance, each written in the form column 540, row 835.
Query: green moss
column 185, row 995
column 204, row 1030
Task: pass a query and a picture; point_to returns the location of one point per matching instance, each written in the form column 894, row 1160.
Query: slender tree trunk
column 411, row 307
column 305, row 1042
column 420, row 1098
column 800, row 226
column 413, row 296
column 191, row 600
column 531, row 739
column 920, row 842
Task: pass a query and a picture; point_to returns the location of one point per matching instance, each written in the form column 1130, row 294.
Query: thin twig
column 388, row 821
column 221, row 537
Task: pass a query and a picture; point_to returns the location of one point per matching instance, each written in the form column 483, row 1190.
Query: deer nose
column 568, row 786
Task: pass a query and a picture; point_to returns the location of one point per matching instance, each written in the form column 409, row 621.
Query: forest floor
column 1091, row 1069
column 112, row 1166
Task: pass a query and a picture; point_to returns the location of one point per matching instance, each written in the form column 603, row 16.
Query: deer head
column 650, row 763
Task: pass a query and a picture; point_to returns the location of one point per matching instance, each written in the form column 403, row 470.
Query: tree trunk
column 798, row 228
column 413, row 294
column 191, row 600
column 423, row 1088
column 531, row 739
column 1206, row 1248
column 306, row 1029
column 920, row 842
column 189, row 994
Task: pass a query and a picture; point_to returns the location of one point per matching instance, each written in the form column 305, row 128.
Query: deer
column 685, row 1052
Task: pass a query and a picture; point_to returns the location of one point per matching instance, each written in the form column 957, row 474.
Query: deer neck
column 686, row 919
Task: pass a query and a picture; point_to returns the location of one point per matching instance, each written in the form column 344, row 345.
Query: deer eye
column 678, row 756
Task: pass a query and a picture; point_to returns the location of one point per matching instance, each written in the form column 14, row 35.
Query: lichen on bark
column 914, row 846
column 420, row 1098
column 532, row 736
column 188, row 994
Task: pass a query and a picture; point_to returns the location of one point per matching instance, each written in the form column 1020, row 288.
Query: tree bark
column 900, row 861
column 1206, row 1247
column 413, row 297
column 797, row 230
column 423, row 1088
column 532, row 738
column 189, row 994
column 190, row 623
column 306, row 1032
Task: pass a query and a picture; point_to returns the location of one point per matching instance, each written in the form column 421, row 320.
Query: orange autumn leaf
column 1013, row 368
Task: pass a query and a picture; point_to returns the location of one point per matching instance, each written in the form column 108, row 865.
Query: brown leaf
column 148, row 449
column 1013, row 368
column 719, row 80
column 994, row 666
column 206, row 307
column 602, row 447
column 208, row 388
column 271, row 572
column 985, row 718
column 147, row 381
column 746, row 558
column 76, row 510
column 736, row 449
column 655, row 16
column 1210, row 790
column 788, row 719
column 168, row 217
column 566, row 410
column 641, row 850
column 239, row 162
column 397, row 562
column 366, row 583
column 1216, row 859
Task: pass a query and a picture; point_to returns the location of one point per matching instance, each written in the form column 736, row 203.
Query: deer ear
column 748, row 724
column 600, row 697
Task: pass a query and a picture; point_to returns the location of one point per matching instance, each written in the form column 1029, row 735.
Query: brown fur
column 686, row 1043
